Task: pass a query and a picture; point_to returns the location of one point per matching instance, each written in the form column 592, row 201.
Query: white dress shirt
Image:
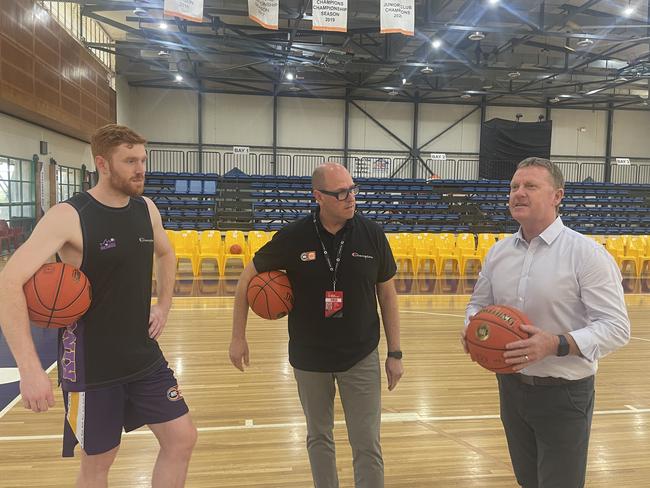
column 565, row 283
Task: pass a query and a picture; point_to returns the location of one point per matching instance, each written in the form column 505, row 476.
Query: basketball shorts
column 95, row 418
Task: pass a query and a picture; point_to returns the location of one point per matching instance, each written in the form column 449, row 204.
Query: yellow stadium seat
column 234, row 237
column 210, row 250
column 484, row 242
column 187, row 248
column 616, row 247
column 256, row 239
column 401, row 245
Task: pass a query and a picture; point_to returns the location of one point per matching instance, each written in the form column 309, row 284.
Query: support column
column 415, row 150
column 608, row 143
column 199, row 112
column 275, row 129
column 346, row 128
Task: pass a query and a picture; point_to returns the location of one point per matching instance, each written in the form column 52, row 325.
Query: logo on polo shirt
column 308, row 256
column 363, row 256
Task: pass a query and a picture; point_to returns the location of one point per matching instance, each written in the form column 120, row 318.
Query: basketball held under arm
column 59, row 226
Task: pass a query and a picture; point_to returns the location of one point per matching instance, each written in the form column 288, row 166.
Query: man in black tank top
column 111, row 369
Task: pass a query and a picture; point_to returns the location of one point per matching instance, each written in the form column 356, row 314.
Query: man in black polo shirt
column 339, row 263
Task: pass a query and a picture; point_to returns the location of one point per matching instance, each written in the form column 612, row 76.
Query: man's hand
column 238, row 352
column 463, row 339
column 157, row 320
column 394, row 371
column 527, row 351
column 36, row 390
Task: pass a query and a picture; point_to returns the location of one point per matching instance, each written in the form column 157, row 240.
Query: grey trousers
column 547, row 428
column 360, row 391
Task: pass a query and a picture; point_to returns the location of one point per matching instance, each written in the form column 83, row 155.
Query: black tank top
column 110, row 344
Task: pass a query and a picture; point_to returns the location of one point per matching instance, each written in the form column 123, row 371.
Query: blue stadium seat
column 180, row 187
column 195, row 188
column 209, row 187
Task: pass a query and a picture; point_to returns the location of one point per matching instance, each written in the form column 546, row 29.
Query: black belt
column 546, row 380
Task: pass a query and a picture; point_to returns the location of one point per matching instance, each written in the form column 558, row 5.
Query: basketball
column 270, row 295
column 488, row 333
column 57, row 295
column 235, row 249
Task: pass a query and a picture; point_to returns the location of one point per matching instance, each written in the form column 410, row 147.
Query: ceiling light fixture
column 163, row 25
column 586, row 42
column 139, row 11
column 179, row 78
column 436, row 43
column 513, row 75
column 427, row 70
column 465, row 96
column 629, row 10
column 163, row 53
column 393, row 92
column 476, row 36
column 554, row 100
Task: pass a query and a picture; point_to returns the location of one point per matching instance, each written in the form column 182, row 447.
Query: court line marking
column 640, row 339
column 386, row 418
column 13, row 402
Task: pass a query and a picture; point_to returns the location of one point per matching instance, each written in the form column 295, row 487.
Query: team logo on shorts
column 308, row 256
column 174, row 394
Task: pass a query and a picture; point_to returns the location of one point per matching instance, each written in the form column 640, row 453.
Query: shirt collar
column 349, row 224
column 548, row 235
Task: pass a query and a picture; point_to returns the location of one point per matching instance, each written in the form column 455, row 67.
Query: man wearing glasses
column 339, row 263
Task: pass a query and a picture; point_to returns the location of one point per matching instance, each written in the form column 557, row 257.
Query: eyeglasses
column 342, row 194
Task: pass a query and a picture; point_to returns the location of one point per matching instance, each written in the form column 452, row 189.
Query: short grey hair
column 553, row 169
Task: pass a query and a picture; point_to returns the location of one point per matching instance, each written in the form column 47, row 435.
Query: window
column 68, row 182
column 17, row 189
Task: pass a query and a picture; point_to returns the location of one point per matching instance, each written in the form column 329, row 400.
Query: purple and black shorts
column 95, row 418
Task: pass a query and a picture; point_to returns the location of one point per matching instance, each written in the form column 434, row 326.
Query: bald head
column 327, row 173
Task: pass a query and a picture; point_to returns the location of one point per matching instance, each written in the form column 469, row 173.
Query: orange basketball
column 57, row 295
column 270, row 295
column 235, row 249
column 488, row 333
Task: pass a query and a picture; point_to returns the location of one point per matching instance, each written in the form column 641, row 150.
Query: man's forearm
column 14, row 322
column 390, row 318
column 165, row 278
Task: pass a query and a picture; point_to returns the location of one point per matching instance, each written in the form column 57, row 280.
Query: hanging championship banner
column 264, row 12
column 398, row 16
column 330, row 15
column 185, row 9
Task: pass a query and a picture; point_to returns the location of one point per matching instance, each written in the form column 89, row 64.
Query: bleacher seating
column 267, row 202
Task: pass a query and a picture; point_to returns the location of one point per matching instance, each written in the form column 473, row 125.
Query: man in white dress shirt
column 570, row 288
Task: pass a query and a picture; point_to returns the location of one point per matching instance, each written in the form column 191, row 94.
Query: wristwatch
column 395, row 354
column 563, row 346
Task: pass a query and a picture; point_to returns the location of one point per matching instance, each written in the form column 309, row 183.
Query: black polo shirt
column 324, row 344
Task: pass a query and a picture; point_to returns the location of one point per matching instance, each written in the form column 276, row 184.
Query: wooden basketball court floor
column 440, row 426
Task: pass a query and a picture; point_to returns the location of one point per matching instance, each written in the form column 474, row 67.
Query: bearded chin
column 127, row 187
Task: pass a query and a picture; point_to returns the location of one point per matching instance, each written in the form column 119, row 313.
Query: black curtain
column 504, row 143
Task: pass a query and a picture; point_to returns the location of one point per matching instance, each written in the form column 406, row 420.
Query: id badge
column 333, row 304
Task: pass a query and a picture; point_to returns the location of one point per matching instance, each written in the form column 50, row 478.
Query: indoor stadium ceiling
column 577, row 54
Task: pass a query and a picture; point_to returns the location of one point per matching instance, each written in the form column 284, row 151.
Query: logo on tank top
column 174, row 394
column 144, row 239
column 107, row 244
column 362, row 256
